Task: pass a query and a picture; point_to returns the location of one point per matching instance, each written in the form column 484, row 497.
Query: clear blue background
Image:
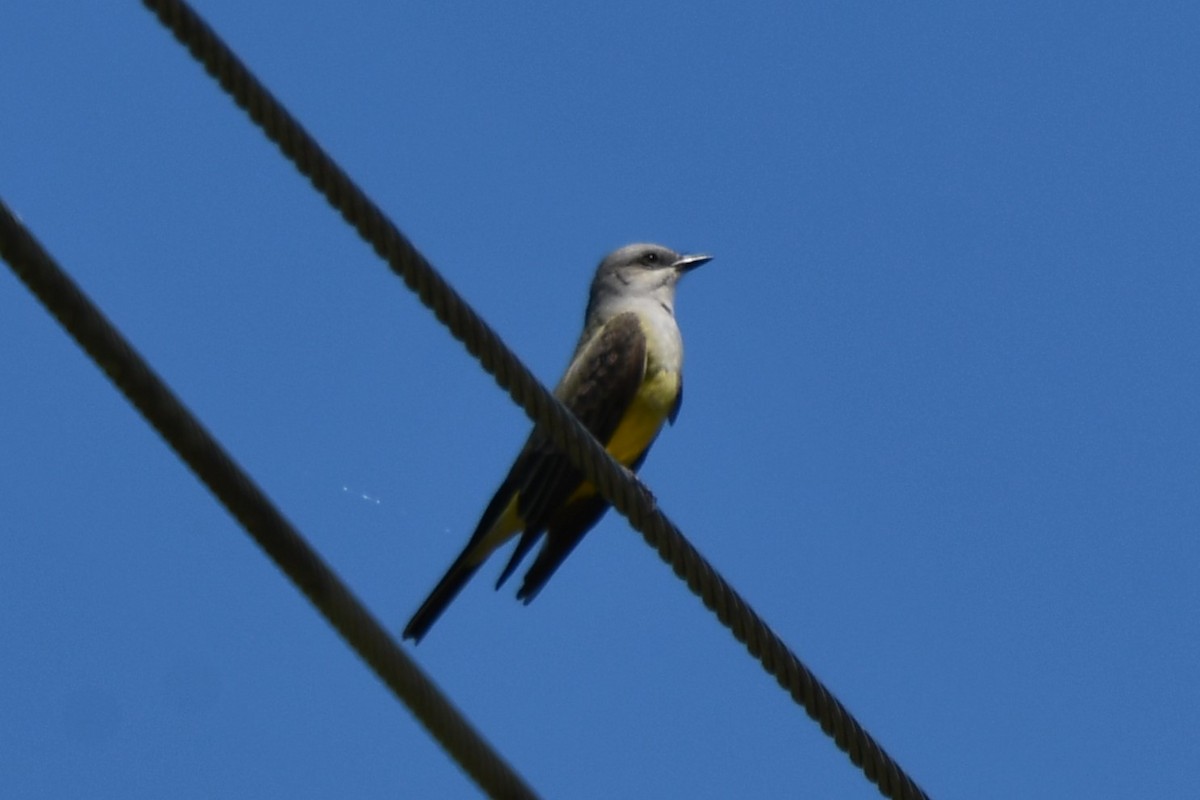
column 941, row 422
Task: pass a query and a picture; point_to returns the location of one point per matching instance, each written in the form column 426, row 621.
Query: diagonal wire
column 247, row 503
column 627, row 495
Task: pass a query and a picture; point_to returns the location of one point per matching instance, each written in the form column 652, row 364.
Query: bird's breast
column 664, row 345
column 656, row 396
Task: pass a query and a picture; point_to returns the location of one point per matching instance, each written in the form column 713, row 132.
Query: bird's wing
column 598, row 388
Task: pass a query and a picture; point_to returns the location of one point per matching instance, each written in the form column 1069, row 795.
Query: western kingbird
column 623, row 383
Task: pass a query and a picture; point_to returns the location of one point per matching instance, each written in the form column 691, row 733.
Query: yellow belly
column 646, row 415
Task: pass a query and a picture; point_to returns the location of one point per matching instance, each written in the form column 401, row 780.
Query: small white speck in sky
column 361, row 495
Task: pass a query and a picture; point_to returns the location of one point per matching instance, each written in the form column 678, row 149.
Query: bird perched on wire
column 624, row 381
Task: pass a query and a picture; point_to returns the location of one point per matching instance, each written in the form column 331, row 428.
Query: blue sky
column 940, row 427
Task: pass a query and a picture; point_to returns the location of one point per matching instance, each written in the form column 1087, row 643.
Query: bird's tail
column 447, row 589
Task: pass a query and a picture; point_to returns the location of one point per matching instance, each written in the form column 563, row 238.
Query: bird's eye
column 650, row 258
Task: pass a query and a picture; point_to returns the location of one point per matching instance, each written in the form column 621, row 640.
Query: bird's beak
column 689, row 263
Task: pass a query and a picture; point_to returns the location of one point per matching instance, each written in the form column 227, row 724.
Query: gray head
column 640, row 271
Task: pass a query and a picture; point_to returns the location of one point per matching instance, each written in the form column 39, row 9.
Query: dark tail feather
column 447, row 589
column 566, row 531
column 553, row 553
column 528, row 540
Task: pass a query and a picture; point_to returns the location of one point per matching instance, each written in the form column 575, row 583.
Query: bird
column 623, row 383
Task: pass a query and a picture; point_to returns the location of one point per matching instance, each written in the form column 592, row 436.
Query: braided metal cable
column 620, row 487
column 247, row 503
